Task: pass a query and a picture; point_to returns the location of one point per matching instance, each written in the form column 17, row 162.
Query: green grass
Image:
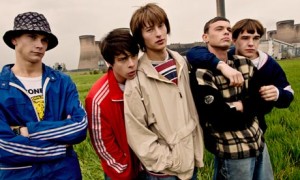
column 89, row 161
column 282, row 136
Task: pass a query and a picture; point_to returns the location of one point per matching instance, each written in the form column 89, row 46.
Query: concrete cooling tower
column 297, row 33
column 285, row 31
column 89, row 52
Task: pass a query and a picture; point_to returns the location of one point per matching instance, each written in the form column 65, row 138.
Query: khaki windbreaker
column 161, row 120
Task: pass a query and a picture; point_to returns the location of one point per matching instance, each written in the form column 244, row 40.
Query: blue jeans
column 256, row 168
column 152, row 177
column 106, row 177
column 142, row 176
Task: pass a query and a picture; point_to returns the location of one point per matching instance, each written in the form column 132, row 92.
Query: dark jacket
column 269, row 73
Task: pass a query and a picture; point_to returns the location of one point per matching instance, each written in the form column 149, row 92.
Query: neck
column 27, row 69
column 157, row 55
column 220, row 53
column 120, row 79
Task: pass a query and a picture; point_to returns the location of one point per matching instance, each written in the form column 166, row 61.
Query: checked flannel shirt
column 228, row 133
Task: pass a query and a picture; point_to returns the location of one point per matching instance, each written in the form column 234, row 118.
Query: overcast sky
column 70, row 19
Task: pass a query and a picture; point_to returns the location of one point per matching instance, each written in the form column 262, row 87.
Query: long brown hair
column 150, row 14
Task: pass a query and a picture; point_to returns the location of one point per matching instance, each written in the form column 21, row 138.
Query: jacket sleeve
column 20, row 150
column 155, row 156
column 273, row 74
column 200, row 57
column 71, row 130
column 114, row 160
column 209, row 100
column 286, row 93
column 286, row 96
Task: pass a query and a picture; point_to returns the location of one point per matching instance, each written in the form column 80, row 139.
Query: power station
column 90, row 56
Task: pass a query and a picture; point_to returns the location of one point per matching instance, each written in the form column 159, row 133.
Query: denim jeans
column 152, row 177
column 106, row 177
column 256, row 168
column 141, row 176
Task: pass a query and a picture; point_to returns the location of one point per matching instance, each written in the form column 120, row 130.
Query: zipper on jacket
column 44, row 86
column 26, row 93
column 180, row 94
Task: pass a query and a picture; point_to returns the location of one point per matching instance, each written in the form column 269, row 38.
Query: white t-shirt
column 34, row 89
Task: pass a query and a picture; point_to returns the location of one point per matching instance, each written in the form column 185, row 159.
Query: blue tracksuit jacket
column 47, row 153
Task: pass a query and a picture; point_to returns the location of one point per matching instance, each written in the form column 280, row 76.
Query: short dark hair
column 213, row 20
column 117, row 42
column 249, row 25
column 149, row 14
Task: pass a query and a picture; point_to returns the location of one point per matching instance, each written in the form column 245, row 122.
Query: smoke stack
column 221, row 8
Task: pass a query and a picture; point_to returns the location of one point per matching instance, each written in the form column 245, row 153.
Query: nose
column 131, row 62
column 250, row 43
column 39, row 43
column 227, row 31
column 158, row 31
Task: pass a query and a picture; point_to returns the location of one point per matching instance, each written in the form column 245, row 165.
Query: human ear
column 14, row 42
column 233, row 41
column 205, row 38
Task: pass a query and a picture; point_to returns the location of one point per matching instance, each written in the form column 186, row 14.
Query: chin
column 35, row 61
column 131, row 77
column 250, row 56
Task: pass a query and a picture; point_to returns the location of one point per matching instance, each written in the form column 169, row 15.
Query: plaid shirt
column 231, row 144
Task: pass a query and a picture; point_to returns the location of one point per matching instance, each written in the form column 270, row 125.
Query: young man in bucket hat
column 40, row 114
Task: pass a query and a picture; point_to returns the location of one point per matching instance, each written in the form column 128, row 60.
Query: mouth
column 132, row 73
column 161, row 41
column 226, row 39
column 38, row 53
column 250, row 50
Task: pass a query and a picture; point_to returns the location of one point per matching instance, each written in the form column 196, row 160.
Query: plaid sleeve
column 205, row 77
column 212, row 107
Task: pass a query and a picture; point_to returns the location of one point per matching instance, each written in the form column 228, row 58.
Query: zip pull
column 180, row 94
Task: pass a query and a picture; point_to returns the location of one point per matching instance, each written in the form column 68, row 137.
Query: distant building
column 183, row 48
column 286, row 31
column 278, row 49
column 90, row 56
column 284, row 42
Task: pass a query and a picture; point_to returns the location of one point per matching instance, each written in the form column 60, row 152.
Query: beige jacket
column 161, row 120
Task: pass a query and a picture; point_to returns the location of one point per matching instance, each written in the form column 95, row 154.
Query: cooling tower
column 272, row 34
column 89, row 52
column 98, row 53
column 297, row 33
column 285, row 31
column 264, row 37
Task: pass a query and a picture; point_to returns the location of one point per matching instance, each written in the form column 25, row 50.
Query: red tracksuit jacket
column 105, row 110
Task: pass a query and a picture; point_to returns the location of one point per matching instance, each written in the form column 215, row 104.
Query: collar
column 8, row 76
column 147, row 68
column 263, row 57
column 115, row 90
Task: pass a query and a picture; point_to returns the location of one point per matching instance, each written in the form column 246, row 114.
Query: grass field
column 282, row 137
